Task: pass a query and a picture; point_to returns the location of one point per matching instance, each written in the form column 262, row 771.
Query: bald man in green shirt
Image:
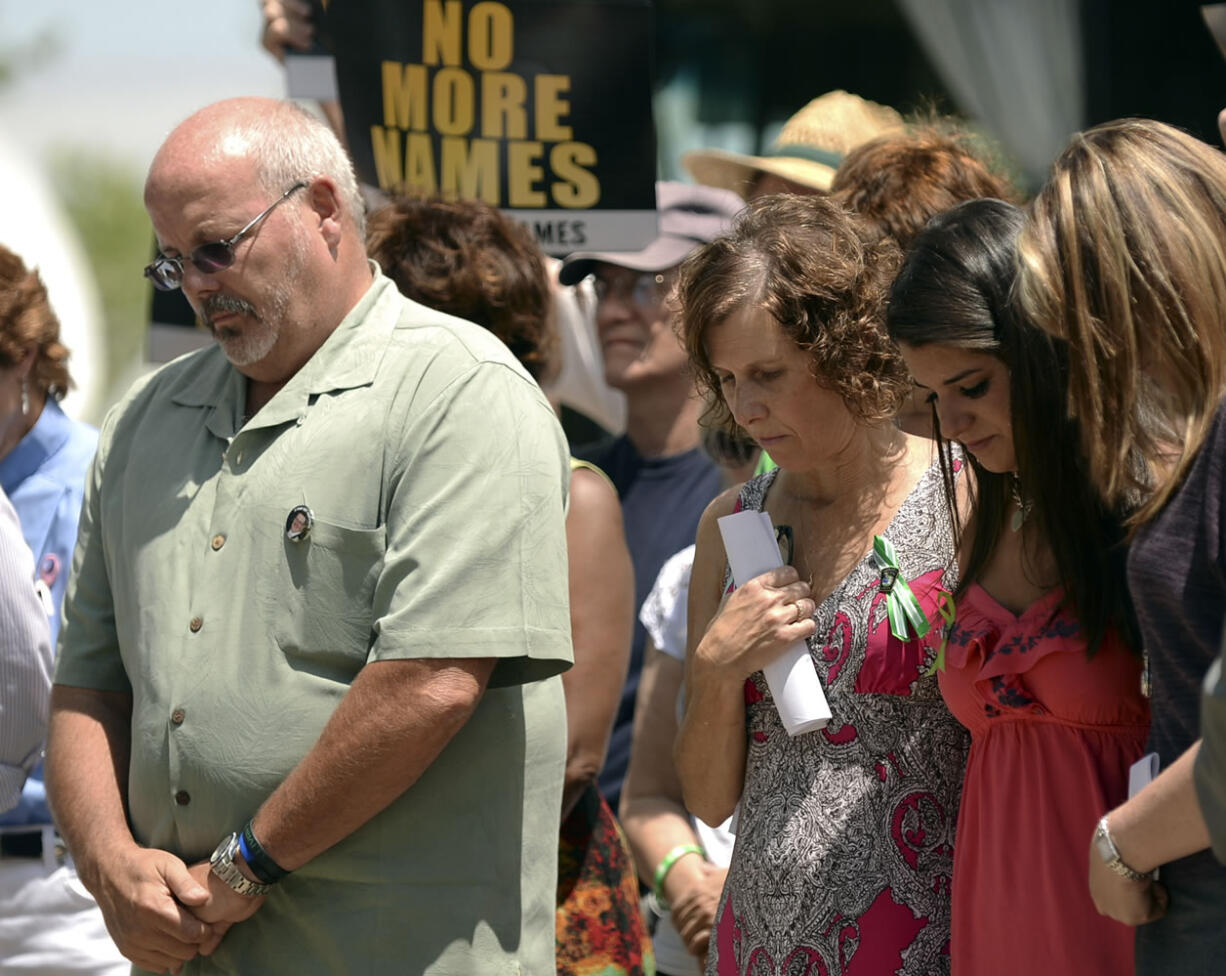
column 307, row 716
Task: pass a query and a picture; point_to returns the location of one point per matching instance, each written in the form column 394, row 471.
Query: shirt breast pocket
column 320, row 597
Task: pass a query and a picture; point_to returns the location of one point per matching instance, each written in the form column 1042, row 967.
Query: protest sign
column 539, row 107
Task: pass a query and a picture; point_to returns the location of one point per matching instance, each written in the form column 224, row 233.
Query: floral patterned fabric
column 600, row 926
column 844, row 846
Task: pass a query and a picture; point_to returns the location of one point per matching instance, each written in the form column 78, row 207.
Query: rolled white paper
column 749, row 541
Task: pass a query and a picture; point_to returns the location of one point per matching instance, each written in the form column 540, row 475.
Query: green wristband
column 666, row 865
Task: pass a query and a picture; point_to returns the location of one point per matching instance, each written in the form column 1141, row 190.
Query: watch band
column 222, row 864
column 1111, row 854
column 261, row 863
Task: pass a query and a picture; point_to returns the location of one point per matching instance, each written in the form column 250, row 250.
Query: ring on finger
column 800, row 612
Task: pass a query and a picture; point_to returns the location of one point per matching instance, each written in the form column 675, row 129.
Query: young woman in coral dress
column 1040, row 661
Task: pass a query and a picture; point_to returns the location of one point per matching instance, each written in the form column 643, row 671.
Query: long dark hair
column 954, row 289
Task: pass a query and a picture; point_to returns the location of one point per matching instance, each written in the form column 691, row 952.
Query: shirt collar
column 348, row 358
column 48, row 435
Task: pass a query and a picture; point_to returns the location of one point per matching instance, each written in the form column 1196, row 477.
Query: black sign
column 539, row 107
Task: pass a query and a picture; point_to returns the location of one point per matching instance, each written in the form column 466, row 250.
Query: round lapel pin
column 49, row 569
column 298, row 523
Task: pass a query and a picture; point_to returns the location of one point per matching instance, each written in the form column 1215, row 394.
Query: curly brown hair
column 466, row 258
column 26, row 320
column 899, row 182
column 823, row 275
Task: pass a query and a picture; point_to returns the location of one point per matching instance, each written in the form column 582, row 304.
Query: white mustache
column 219, row 304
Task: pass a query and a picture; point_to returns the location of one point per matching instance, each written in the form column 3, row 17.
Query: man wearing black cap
column 662, row 476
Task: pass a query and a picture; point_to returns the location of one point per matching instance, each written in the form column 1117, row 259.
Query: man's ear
column 324, row 199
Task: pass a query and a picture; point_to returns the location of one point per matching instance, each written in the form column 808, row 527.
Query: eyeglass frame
column 153, row 270
column 634, row 294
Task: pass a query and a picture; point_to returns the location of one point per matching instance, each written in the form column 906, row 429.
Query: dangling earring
column 25, row 397
column 1023, row 505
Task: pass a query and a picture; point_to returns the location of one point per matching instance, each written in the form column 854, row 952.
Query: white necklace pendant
column 1022, row 509
column 1017, row 519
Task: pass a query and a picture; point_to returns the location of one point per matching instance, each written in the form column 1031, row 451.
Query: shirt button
column 195, row 625
column 183, row 798
column 177, row 716
column 218, row 542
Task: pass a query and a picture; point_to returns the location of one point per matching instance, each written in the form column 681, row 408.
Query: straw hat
column 809, row 148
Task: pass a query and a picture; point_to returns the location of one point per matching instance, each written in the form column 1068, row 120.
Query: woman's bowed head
column 998, row 386
column 793, row 293
column 1124, row 257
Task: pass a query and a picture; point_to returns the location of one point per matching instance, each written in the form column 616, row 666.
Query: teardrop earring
column 25, row 397
column 1022, row 511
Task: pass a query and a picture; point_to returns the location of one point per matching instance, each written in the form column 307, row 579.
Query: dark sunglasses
column 167, row 273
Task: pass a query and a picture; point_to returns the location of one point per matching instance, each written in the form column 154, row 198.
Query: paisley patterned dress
column 844, row 846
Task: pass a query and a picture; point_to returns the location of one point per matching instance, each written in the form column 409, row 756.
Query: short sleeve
column 663, row 613
column 88, row 654
column 476, row 545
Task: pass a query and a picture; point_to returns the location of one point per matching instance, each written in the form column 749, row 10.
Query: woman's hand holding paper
column 756, row 624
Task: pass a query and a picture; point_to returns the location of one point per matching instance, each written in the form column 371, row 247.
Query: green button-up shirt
column 435, row 477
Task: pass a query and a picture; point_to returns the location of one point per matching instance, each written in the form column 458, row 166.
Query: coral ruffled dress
column 1052, row 736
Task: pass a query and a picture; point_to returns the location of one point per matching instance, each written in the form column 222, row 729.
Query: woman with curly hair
column 844, row 837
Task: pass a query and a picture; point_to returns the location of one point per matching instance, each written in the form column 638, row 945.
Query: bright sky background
column 123, row 74
column 126, row 71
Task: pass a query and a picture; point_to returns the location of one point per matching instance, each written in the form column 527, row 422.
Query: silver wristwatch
column 222, row 864
column 1110, row 854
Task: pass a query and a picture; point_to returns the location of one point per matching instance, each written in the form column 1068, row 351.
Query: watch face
column 222, row 864
column 222, row 849
column 1102, row 844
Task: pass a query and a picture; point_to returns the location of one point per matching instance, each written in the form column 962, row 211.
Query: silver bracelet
column 1111, row 855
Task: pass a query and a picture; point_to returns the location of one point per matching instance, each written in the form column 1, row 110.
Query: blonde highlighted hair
column 1124, row 256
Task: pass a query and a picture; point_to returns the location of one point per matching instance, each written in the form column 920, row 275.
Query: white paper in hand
column 1141, row 773
column 749, row 541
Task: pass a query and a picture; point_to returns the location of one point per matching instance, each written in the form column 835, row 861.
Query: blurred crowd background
column 88, row 91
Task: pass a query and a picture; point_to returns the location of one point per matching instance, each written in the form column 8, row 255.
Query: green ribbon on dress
column 901, row 605
column 949, row 613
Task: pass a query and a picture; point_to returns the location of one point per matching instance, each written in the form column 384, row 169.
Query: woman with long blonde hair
column 1124, row 257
